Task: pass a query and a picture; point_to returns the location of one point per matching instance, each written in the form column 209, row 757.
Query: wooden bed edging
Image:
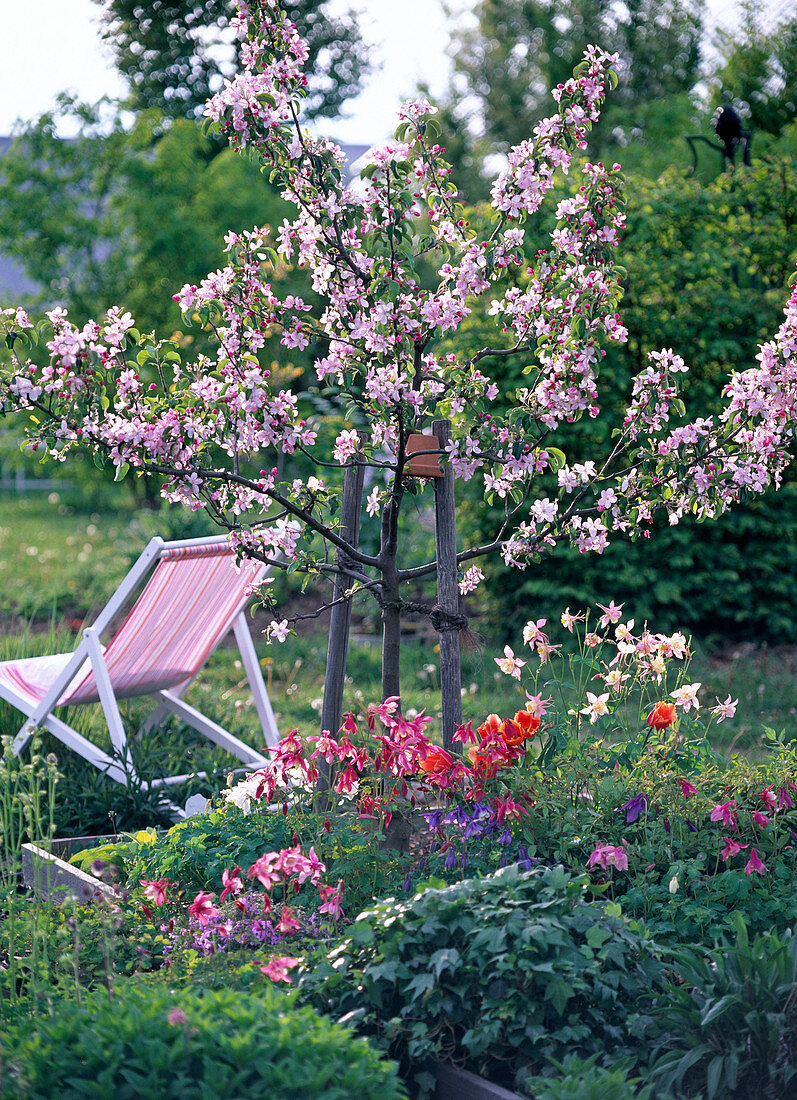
column 461, row 1084
column 49, row 876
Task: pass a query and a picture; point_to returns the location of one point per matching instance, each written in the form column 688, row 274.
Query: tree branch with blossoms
column 208, row 425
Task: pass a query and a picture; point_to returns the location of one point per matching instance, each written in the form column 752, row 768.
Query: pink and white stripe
column 182, row 614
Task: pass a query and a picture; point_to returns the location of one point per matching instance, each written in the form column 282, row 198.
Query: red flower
column 520, row 728
column 662, row 715
column 731, row 848
column 435, row 762
column 491, row 724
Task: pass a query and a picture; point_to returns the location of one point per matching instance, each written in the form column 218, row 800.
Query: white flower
column 595, row 707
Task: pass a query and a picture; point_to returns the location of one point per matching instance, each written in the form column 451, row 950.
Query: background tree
column 512, row 52
column 114, row 212
column 176, row 54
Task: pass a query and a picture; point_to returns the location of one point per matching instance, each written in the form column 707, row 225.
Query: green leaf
column 556, row 458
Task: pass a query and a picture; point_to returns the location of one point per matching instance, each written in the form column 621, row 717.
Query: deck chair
column 193, row 598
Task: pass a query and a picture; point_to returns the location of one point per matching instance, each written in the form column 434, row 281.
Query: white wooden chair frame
column 169, row 701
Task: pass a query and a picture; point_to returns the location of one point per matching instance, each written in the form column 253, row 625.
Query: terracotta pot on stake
column 423, row 465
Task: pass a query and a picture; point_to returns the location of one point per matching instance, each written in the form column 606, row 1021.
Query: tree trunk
column 391, row 638
column 391, row 612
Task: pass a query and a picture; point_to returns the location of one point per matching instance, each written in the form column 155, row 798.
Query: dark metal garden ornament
column 727, row 125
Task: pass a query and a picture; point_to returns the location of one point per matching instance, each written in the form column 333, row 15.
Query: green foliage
column 507, row 972
column 120, row 216
column 584, row 1079
column 729, row 1026
column 195, row 852
column 149, row 1041
column 176, row 53
column 720, row 253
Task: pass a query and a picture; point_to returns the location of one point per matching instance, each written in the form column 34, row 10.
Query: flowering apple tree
column 213, row 428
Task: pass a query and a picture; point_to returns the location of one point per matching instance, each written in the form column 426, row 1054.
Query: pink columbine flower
column 725, row 710
column 568, row 620
column 288, row 923
column 731, row 848
column 725, row 812
column 232, row 883
column 532, row 631
column 202, row 908
column 608, row 855
column 686, row 697
column 755, row 865
column 536, row 705
column 760, row 819
column 595, row 707
column 784, row 799
column 155, row 891
column 313, row 868
column 277, row 968
column 611, row 614
column 768, row 798
column 687, row 789
column 505, row 807
column 176, row 1015
column 332, row 898
column 509, row 664
column 263, row 869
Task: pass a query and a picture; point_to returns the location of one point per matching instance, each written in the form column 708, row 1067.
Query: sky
column 60, row 49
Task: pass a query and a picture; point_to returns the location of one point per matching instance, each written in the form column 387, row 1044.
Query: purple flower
column 524, row 860
column 692, row 827
column 434, row 818
column 505, row 837
column 503, row 860
column 451, row 860
column 635, row 807
column 406, row 885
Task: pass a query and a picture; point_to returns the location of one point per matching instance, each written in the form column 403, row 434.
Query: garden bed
column 50, row 877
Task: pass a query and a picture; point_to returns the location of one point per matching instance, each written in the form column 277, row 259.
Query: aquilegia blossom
column 725, row 812
column 608, row 855
column 635, row 807
column 755, row 864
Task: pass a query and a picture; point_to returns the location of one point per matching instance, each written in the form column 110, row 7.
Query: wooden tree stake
column 447, row 591
column 340, row 615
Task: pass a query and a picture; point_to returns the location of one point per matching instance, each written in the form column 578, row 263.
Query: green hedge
column 161, row 1044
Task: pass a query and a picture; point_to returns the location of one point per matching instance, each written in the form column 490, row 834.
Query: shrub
column 148, row 1041
column 584, row 1079
column 506, row 971
column 730, row 1028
